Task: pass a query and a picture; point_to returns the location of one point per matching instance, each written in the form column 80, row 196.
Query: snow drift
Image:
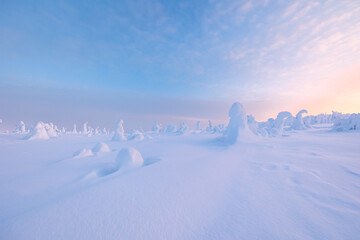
column 129, row 158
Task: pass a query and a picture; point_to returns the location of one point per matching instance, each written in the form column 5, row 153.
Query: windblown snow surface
column 305, row 185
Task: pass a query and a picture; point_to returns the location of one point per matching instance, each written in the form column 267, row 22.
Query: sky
column 99, row 61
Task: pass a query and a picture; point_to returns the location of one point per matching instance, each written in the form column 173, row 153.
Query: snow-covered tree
column 20, row 128
column 119, row 132
column 156, row 127
column 298, row 122
column 37, row 132
column 198, row 126
column 237, row 126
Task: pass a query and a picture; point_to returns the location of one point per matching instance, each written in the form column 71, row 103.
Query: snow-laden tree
column 156, row 127
column 51, row 129
column 298, row 122
column 85, row 128
column 170, row 128
column 198, row 126
column 346, row 124
column 256, row 127
column 136, row 135
column 182, row 129
column 74, row 129
column 237, row 126
column 20, row 128
column 37, row 132
column 119, row 132
column 210, row 127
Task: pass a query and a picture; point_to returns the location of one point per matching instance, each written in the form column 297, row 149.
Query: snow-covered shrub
column 119, row 132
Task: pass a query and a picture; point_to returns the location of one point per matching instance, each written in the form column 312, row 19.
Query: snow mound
column 119, row 132
column 38, row 132
column 129, row 158
column 101, row 147
column 83, row 153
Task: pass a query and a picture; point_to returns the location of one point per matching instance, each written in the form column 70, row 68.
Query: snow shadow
column 106, row 171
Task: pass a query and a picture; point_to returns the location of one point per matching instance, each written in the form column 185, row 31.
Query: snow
column 302, row 184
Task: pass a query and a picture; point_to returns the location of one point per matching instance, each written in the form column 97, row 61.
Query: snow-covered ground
column 305, row 185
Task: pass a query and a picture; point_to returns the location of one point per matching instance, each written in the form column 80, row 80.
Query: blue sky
column 163, row 57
